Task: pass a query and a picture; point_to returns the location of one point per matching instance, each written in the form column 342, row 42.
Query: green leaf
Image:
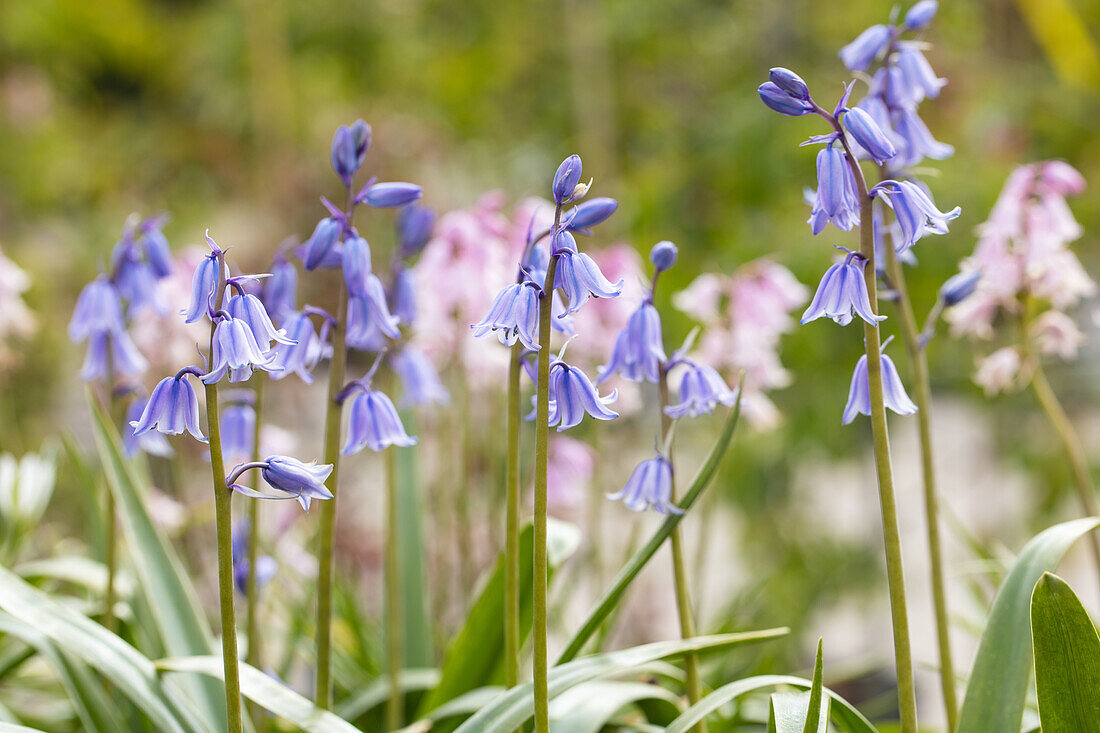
column 475, row 657
column 997, row 689
column 77, row 570
column 378, row 691
column 125, row 667
column 1067, row 659
column 589, row 707
column 815, row 721
column 847, row 718
column 512, row 709
column 417, row 642
column 788, row 713
column 267, row 692
column 160, row 574
column 634, row 566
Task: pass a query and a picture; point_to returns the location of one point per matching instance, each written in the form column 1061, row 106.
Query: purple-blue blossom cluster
column 884, row 127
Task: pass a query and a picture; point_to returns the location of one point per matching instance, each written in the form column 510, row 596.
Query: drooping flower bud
column 414, row 228
column 663, row 255
column 781, row 102
column 320, row 245
column 921, row 14
column 959, row 287
column 590, row 213
column 860, row 53
column 566, row 179
column 790, row 82
column 389, row 195
column 868, row 134
column 349, row 149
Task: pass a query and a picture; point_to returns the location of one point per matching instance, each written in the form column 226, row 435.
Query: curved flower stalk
column 1023, row 273
column 237, row 346
column 885, row 128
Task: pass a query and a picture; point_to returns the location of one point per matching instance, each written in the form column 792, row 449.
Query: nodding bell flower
column 152, row 442
column 915, row 211
column 374, row 423
column 860, row 53
column 389, row 195
column 572, row 395
column 959, row 287
column 780, row 101
column 357, row 265
column 265, row 564
column 321, row 249
column 303, row 351
column 349, row 149
column 921, row 14
column 250, row 309
column 98, row 310
column 369, row 316
column 916, row 141
column 236, row 351
column 402, row 295
column 702, row 389
column 578, row 275
column 590, row 213
column 414, row 229
column 172, row 408
column 238, row 426
column 663, row 255
column 917, row 76
column 112, row 353
column 893, row 391
column 649, row 485
column 303, row 481
column 836, row 200
column 567, row 179
column 136, row 284
column 204, row 284
column 419, row 378
column 842, row 293
column 280, row 291
column 638, row 352
column 514, row 314
column 868, row 134
column 155, row 246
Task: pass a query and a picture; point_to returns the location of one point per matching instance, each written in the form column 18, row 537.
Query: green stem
column 918, row 362
column 323, row 694
column 679, row 570
column 251, row 626
column 223, row 508
column 511, row 542
column 111, row 524
column 463, row 537
column 542, row 438
column 895, row 575
column 394, row 653
column 1082, row 478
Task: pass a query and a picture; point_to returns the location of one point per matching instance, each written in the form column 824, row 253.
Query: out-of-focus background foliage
column 221, row 113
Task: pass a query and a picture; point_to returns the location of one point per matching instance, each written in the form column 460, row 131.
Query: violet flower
column 112, row 353
column 514, row 314
column 836, row 200
column 98, row 310
column 236, row 352
column 301, row 354
column 172, row 408
column 860, row 53
column 649, row 485
column 579, row 276
column 250, row 309
column 419, row 378
column 702, row 389
column 842, row 293
column 305, row 481
column 320, row 250
column 868, row 134
column 349, row 149
column 389, row 195
column 638, row 352
column 915, row 211
column 374, row 423
column 572, row 395
column 152, row 442
column 893, row 391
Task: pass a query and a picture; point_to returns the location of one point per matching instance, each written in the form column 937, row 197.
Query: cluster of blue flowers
column 884, row 127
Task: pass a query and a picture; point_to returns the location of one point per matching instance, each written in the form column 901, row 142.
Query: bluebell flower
column 921, row 14
column 649, row 485
column 702, row 389
column 868, row 134
column 349, row 149
column 300, row 356
column 98, row 310
column 250, row 309
column 514, row 314
column 321, row 250
column 155, row 246
column 236, row 351
column 238, row 427
column 893, row 231
column 842, row 293
column 893, row 391
column 204, row 284
column 414, row 229
column 566, row 179
column 916, row 213
column 578, row 275
column 959, row 287
column 369, row 316
column 137, row 286
column 152, row 442
column 357, row 265
column 419, row 378
column 112, row 353
column 279, row 292
column 589, row 213
column 373, row 423
column 389, row 195
column 782, row 102
column 789, row 82
column 638, row 352
column 572, row 395
column 876, row 107
column 916, row 73
column 266, row 566
column 305, row 481
column 860, row 53
column 917, row 142
column 402, row 295
column 663, row 255
column 836, row 198
column 172, row 408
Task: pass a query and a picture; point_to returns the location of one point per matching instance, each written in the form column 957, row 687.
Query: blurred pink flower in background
column 569, row 471
column 999, row 371
column 1057, row 335
column 163, row 337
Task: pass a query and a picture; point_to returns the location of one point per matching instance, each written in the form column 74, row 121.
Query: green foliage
column 1067, row 659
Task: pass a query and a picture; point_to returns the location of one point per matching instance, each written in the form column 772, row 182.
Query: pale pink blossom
column 1062, row 178
column 16, row 319
column 568, row 472
column 1057, row 334
column 999, row 371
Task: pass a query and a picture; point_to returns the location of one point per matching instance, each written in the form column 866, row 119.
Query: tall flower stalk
column 511, row 530
column 252, row 626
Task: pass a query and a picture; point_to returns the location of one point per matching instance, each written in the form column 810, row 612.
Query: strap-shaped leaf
column 1067, row 659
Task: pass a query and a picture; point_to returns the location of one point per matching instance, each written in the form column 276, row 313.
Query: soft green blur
column 221, row 113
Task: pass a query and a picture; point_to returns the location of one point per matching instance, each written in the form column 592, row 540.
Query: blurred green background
column 221, row 113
